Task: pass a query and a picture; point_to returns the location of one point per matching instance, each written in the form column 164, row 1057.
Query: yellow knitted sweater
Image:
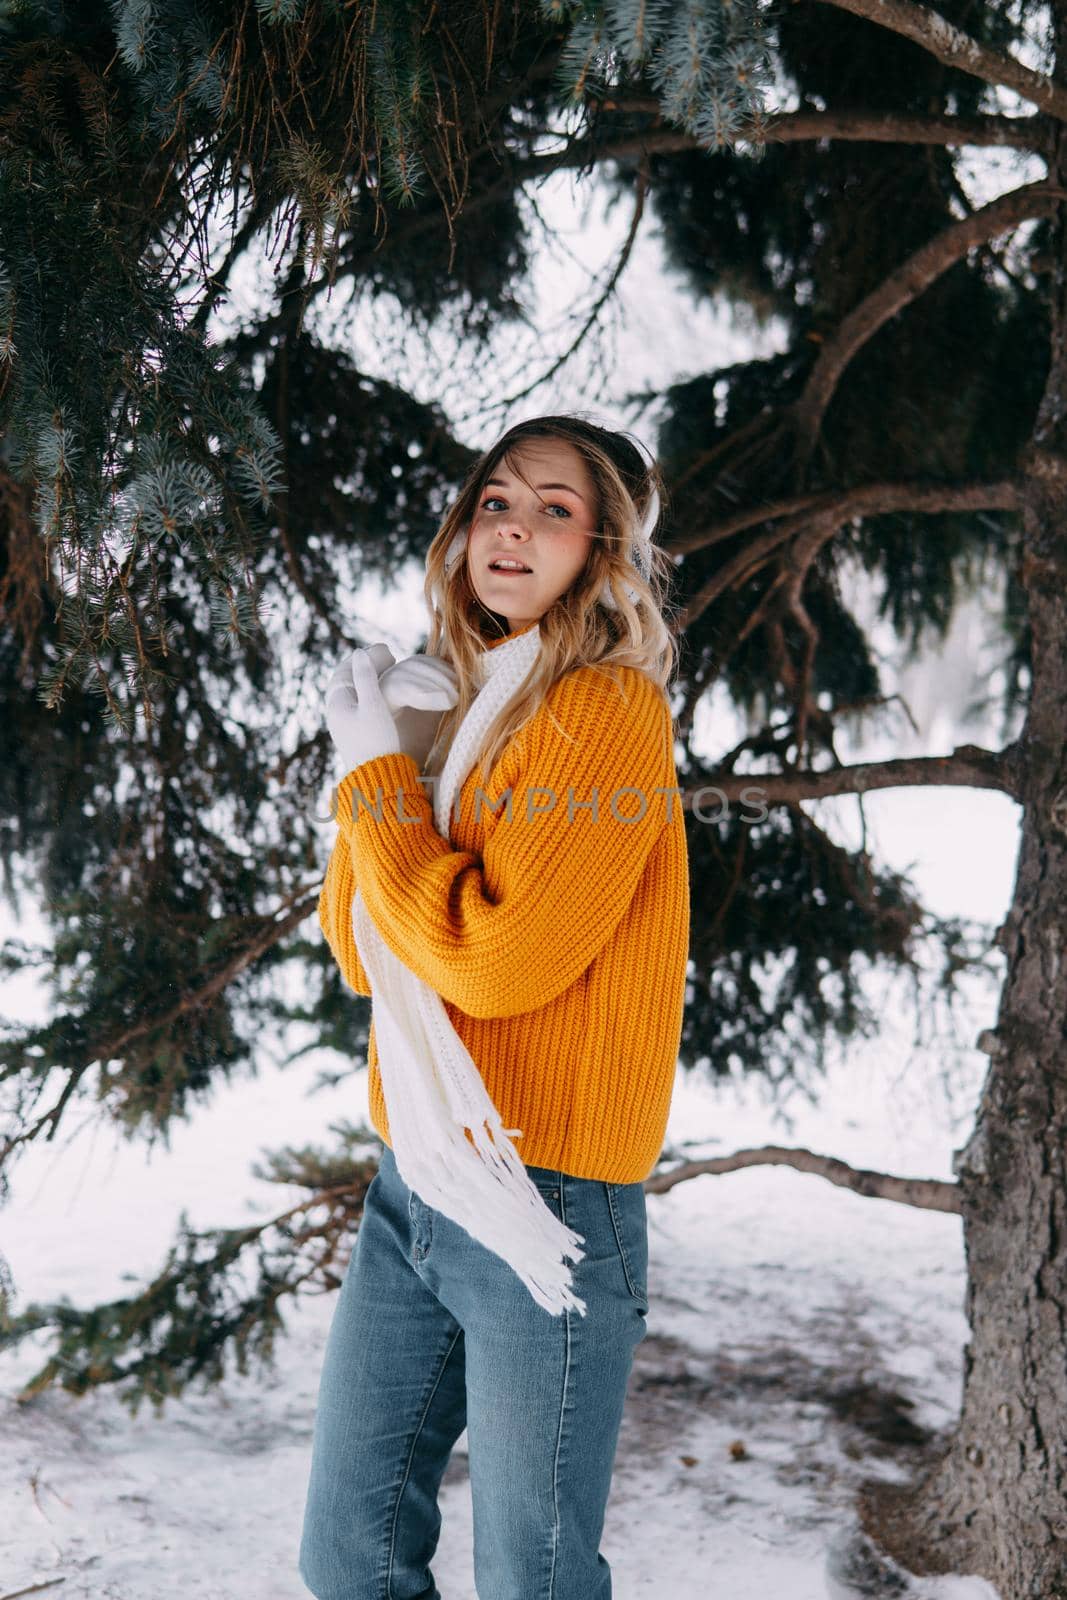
column 557, row 936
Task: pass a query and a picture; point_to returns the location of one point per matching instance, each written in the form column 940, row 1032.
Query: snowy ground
column 821, row 1330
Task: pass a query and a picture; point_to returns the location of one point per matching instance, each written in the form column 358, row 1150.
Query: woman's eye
column 554, row 505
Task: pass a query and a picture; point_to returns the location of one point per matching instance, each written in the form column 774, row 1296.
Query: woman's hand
column 418, row 691
column 360, row 722
column 425, row 682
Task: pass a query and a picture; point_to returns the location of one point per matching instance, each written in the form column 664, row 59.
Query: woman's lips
column 509, row 572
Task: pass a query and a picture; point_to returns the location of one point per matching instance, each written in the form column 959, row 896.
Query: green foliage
column 218, row 1295
column 124, row 127
column 402, row 84
column 705, row 59
column 137, row 437
column 789, row 928
column 799, row 238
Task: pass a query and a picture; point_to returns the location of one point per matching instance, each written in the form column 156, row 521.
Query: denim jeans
column 432, row 1333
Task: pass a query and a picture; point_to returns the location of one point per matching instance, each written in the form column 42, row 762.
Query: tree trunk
column 995, row 1502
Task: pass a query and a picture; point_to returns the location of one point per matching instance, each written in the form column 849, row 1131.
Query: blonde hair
column 577, row 629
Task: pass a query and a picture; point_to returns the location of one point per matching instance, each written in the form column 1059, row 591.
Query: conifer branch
column 793, row 547
column 922, row 268
column 201, row 1307
column 274, row 928
column 585, row 151
column 929, row 1194
column 1019, row 133
column 217, row 282
column 836, row 506
column 625, row 252
column 953, row 47
column 968, row 766
column 1033, row 132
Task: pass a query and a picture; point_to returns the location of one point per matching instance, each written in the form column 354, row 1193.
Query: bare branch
column 955, row 48
column 969, row 766
column 792, row 127
column 832, row 509
column 862, row 500
column 929, row 1194
column 901, row 287
column 33, row 1588
column 796, row 563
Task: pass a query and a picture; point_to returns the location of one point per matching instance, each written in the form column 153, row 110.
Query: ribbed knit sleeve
column 508, row 931
column 335, row 913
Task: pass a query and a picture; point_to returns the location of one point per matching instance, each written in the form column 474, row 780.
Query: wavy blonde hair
column 577, row 629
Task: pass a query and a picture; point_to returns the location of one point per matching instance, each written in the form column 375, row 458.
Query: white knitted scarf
column 432, row 1087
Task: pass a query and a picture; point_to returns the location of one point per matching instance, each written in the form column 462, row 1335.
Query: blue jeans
column 432, row 1333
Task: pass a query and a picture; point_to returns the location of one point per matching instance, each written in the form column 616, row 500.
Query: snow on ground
column 819, row 1329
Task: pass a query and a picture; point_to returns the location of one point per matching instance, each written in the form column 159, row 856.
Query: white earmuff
column 457, row 547
column 640, row 552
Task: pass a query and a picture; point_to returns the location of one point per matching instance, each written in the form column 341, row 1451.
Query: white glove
column 341, row 684
column 423, row 681
column 360, row 723
column 418, row 691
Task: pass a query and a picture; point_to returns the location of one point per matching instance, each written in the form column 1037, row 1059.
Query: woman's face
column 546, row 524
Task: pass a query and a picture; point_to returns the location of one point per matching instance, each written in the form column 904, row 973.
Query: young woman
column 546, row 915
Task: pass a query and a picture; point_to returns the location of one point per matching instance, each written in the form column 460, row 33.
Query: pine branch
column 929, row 1194
column 295, row 283
column 274, row 929
column 216, row 283
column 1036, row 132
column 836, row 507
column 205, row 1303
column 625, row 252
column 793, row 547
column 585, row 152
column 898, row 290
column 968, row 766
column 954, row 48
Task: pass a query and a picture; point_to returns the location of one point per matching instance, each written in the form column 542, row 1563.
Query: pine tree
column 158, row 495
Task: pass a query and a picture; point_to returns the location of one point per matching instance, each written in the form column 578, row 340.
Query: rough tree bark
column 995, row 1501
